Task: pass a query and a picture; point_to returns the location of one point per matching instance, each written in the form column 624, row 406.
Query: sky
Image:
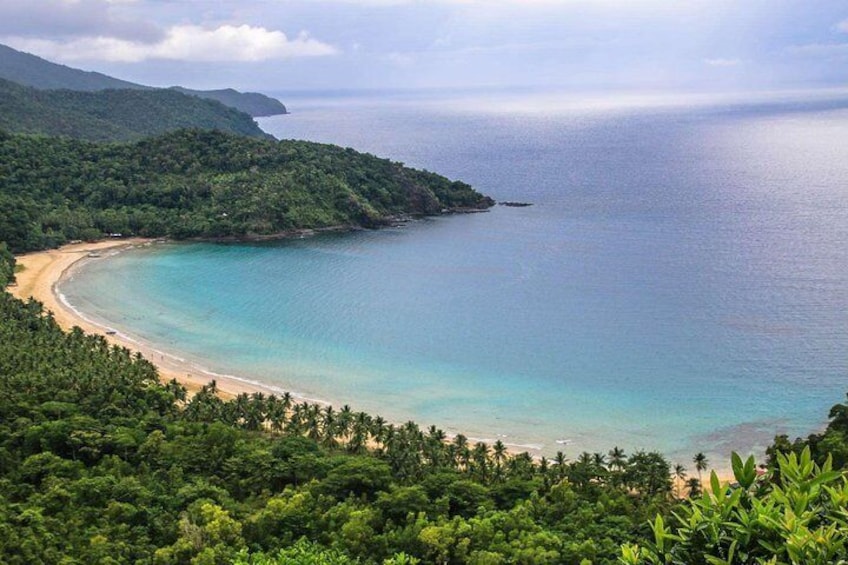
column 574, row 45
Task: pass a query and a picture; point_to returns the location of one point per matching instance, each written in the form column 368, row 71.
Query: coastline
column 44, row 270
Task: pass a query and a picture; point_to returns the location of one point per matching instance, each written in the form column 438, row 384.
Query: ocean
column 679, row 284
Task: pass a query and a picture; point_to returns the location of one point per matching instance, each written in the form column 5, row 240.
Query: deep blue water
column 681, row 282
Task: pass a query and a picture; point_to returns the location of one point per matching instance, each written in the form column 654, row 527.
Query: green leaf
column 715, row 484
column 736, row 465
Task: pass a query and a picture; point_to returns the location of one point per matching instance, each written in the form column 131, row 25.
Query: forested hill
column 24, row 68
column 253, row 103
column 204, row 184
column 114, row 115
column 30, row 70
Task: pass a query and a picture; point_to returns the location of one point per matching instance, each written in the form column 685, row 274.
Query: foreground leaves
column 798, row 516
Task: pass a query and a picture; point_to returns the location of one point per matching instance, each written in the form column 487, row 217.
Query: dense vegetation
column 798, row 514
column 251, row 103
column 831, row 443
column 114, row 115
column 102, row 463
column 29, row 70
column 203, row 184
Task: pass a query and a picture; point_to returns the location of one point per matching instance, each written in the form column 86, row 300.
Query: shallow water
column 681, row 282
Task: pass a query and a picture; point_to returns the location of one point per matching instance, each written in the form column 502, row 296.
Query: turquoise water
column 681, row 282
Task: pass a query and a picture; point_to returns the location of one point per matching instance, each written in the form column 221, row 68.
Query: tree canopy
column 204, row 184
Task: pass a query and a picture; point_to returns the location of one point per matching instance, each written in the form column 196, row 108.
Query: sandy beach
column 42, row 271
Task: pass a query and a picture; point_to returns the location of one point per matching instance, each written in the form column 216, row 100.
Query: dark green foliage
column 251, row 103
column 29, row 70
column 203, row 184
column 7, row 265
column 100, row 463
column 799, row 520
column 301, row 553
column 831, row 443
column 114, row 115
column 794, row 511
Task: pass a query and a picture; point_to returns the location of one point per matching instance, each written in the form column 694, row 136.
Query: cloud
column 720, row 62
column 842, row 26
column 72, row 18
column 242, row 43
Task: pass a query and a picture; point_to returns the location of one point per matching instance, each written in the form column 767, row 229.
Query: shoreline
column 43, row 271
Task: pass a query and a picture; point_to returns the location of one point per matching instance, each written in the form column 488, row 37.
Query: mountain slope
column 252, row 103
column 30, row 70
column 204, row 184
column 114, row 115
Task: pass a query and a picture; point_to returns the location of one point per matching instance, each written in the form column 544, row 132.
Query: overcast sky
column 580, row 45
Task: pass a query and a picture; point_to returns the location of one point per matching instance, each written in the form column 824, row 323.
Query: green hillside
column 113, row 115
column 204, row 184
column 30, row 70
column 252, row 103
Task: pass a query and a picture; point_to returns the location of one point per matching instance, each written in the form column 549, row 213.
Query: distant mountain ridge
column 253, row 103
column 30, row 70
column 115, row 115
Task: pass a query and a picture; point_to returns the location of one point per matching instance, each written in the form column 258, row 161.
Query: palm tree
column 617, row 459
column 313, row 425
column 701, row 462
column 499, row 456
column 463, row 452
column 560, row 461
column 328, row 424
column 521, row 466
column 679, row 476
column 295, row 425
column 360, row 429
column 543, row 470
column 480, row 461
column 599, row 465
column 344, row 421
column 434, row 446
column 693, row 485
column 378, row 429
column 287, row 401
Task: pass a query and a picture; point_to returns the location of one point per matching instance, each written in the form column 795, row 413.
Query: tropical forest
column 103, row 462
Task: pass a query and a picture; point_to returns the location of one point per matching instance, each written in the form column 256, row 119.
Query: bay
column 680, row 283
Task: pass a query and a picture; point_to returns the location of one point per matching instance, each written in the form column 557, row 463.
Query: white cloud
column 184, row 43
column 720, row 62
column 842, row 26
